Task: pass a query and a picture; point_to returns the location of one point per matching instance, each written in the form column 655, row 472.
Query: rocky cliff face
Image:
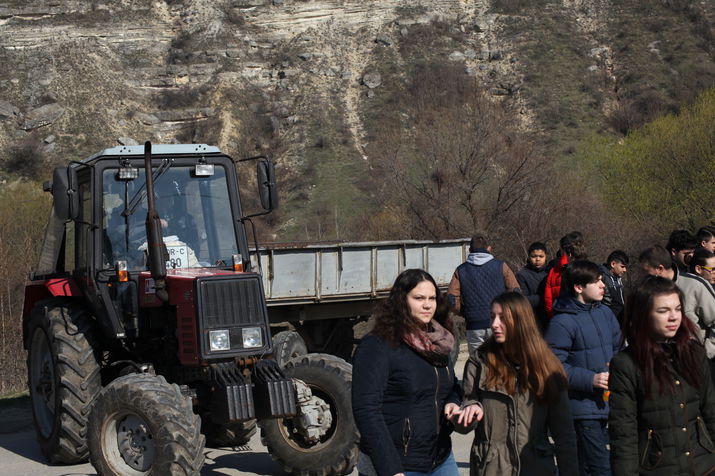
column 311, row 80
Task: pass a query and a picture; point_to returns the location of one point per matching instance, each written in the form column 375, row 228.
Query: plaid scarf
column 433, row 343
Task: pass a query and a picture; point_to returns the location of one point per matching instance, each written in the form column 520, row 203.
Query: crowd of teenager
column 569, row 371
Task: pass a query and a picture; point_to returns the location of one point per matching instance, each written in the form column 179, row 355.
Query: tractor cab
column 143, row 254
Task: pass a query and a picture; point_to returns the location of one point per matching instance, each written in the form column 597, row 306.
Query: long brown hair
column 538, row 366
column 648, row 353
column 393, row 319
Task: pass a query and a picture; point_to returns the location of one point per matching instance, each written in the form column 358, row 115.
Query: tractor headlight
column 127, row 171
column 204, row 170
column 220, row 340
column 252, row 337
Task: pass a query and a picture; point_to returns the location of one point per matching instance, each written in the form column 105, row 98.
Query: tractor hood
column 211, row 302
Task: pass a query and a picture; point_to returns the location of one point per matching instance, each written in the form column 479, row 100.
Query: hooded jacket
column 475, row 283
column 521, row 447
column 584, row 337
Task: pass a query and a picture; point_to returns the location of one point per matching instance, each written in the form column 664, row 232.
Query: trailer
column 317, row 293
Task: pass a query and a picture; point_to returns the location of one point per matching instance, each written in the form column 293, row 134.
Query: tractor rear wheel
column 142, row 426
column 63, row 376
column 335, row 451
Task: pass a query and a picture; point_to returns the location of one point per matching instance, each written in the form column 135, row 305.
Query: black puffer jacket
column 532, row 282
column 613, row 296
column 398, row 403
column 666, row 434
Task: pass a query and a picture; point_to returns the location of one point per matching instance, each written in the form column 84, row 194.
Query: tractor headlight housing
column 252, row 337
column 219, row 340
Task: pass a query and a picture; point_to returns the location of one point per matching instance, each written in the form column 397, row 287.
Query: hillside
column 316, row 83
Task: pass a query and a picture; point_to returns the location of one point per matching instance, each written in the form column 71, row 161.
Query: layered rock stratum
column 309, row 81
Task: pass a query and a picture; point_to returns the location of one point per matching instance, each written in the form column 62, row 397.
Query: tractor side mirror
column 267, row 189
column 64, row 192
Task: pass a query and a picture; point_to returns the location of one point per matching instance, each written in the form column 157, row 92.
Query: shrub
column 23, row 212
column 26, row 158
column 661, row 175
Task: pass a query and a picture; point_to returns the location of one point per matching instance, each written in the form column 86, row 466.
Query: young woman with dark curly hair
column 404, row 387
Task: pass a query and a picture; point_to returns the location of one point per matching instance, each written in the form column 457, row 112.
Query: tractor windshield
column 195, row 213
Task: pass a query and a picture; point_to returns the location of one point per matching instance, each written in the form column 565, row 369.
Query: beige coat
column 512, row 437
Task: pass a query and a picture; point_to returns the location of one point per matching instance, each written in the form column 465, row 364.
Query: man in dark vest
column 475, row 283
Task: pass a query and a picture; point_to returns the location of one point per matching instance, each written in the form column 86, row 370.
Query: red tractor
column 147, row 331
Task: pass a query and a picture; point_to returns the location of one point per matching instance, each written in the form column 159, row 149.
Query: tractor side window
column 70, row 248
column 83, row 230
column 50, row 257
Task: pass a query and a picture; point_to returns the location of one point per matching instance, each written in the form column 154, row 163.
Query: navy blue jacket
column 584, row 337
column 480, row 283
column 398, row 404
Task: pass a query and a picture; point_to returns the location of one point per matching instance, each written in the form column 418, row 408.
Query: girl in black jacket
column 662, row 397
column 404, row 387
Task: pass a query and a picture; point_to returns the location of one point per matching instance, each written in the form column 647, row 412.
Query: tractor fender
column 38, row 290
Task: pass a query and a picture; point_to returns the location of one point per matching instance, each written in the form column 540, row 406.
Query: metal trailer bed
column 339, row 280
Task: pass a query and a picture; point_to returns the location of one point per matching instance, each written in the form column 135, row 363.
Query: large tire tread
column 288, row 345
column 169, row 414
column 341, row 452
column 230, row 435
column 70, row 332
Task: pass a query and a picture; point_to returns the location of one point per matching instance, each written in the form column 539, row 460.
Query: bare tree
column 462, row 168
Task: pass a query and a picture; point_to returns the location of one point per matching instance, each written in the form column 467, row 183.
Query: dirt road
column 20, row 454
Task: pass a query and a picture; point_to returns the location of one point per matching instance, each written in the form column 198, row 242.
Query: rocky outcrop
column 282, row 76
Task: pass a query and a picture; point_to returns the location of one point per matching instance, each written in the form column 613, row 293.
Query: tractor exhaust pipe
column 155, row 241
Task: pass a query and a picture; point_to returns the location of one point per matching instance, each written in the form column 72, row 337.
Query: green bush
column 662, row 175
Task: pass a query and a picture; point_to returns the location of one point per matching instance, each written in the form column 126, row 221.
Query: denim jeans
column 476, row 337
column 447, row 468
column 594, row 459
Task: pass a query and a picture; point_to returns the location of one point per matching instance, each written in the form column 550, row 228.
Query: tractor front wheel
column 322, row 440
column 142, row 426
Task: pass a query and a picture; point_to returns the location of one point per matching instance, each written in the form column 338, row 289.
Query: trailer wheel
column 288, row 345
column 233, row 434
column 63, row 376
column 142, row 426
column 329, row 379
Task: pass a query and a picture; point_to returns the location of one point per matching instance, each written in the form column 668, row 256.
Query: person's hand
column 600, row 380
column 467, row 415
column 450, row 410
column 400, row 474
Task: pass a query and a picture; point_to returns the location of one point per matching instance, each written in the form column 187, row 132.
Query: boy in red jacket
column 571, row 248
